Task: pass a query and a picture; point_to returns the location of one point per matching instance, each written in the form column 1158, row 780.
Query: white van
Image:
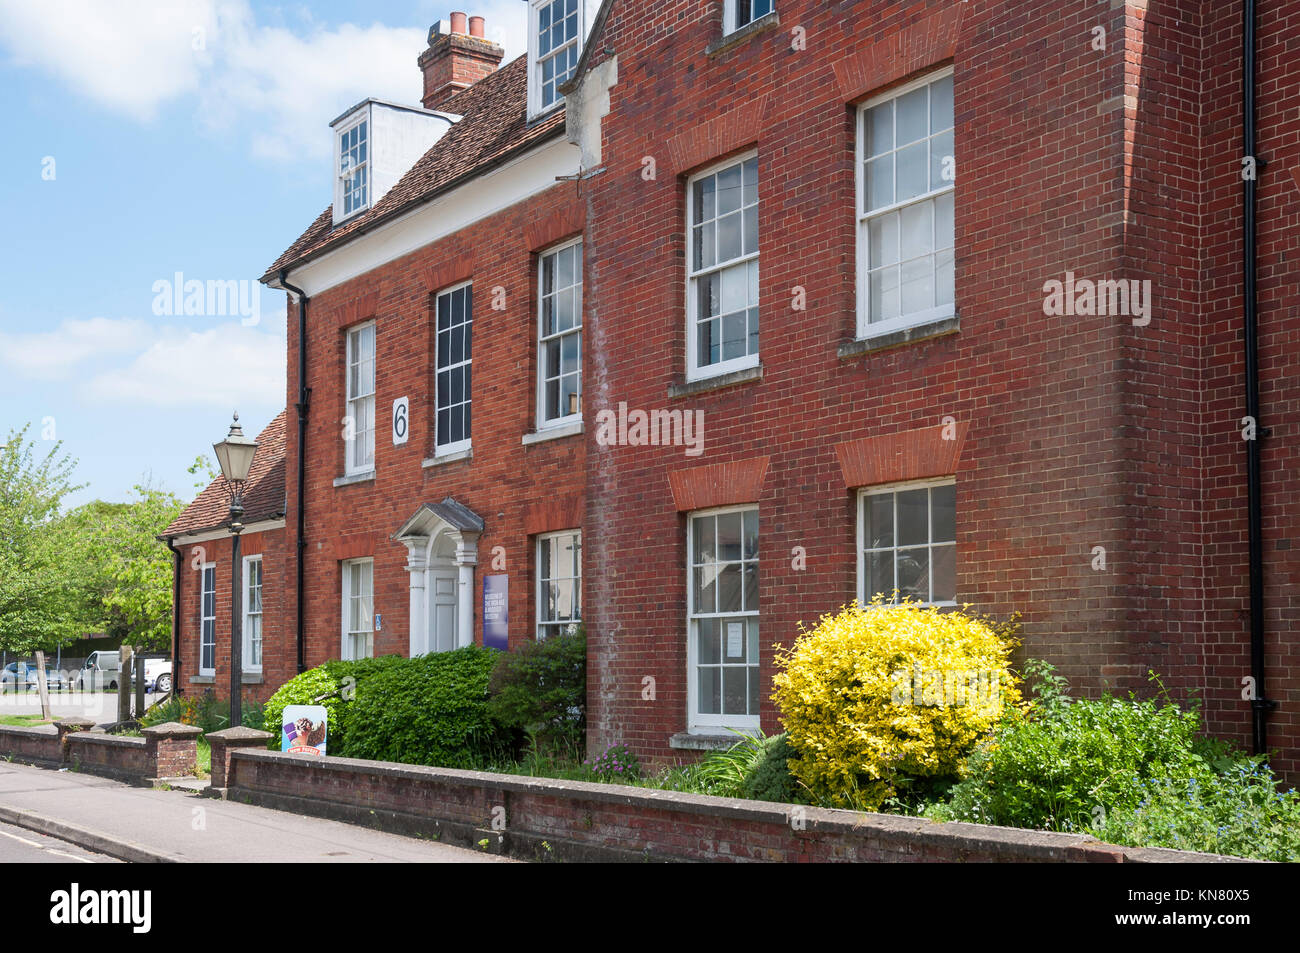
column 100, row 672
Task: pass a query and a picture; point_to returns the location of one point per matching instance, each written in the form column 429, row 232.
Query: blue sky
column 146, row 138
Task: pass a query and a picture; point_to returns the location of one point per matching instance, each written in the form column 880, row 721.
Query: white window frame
column 347, row 632
column 693, row 372
column 459, row 446
column 535, row 105
column 249, row 615
column 705, row 723
column 893, row 488
column 342, row 175
column 731, row 13
column 203, row 572
column 866, row 329
column 544, row 626
column 565, row 419
column 351, row 434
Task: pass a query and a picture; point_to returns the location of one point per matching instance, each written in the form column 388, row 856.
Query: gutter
column 1260, row 704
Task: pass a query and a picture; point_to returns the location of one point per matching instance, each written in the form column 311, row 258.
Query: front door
column 442, row 611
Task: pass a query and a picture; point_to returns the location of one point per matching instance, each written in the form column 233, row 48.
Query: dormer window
column 554, row 45
column 741, row 13
column 353, row 184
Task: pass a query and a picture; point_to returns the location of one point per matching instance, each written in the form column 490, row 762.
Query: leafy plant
column 615, row 763
column 1238, row 812
column 334, row 685
column 1062, row 764
column 541, row 688
column 876, row 695
column 431, row 710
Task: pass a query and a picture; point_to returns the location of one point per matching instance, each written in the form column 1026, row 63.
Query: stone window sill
column 354, row 478
column 883, row 342
column 203, row 679
column 699, row 741
column 449, row 458
column 737, row 37
column 690, row 388
column 553, row 433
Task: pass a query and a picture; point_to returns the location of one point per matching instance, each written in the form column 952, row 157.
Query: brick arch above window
column 449, row 271
column 720, row 136
column 910, row 455
column 555, row 226
column 894, row 57
column 719, row 484
column 357, row 309
column 552, row 515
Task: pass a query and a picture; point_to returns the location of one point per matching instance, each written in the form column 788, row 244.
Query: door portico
column 441, row 542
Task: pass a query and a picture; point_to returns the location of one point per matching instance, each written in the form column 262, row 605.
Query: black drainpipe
column 1261, row 704
column 303, row 406
column 177, row 566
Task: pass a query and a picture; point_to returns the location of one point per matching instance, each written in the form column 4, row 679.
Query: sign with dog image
column 303, row 729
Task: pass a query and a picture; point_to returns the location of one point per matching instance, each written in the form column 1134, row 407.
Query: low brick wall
column 163, row 751
column 35, row 745
column 604, row 822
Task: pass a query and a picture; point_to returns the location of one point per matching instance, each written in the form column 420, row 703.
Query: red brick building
column 942, row 297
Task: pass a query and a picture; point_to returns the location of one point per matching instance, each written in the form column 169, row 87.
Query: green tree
column 41, row 603
column 125, row 567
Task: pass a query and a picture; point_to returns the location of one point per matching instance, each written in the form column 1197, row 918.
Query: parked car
column 103, row 671
column 100, row 672
column 21, row 676
column 158, row 675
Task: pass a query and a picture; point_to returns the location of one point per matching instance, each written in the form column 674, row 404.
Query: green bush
column 1062, row 764
column 769, row 777
column 204, row 711
column 541, row 689
column 427, row 710
column 336, row 685
column 1239, row 812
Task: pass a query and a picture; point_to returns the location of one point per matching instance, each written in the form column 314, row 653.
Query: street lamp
column 235, row 454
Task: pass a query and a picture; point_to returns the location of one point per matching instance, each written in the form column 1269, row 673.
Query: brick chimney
column 458, row 56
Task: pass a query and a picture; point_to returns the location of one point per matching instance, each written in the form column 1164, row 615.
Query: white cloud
column 106, row 360
column 54, row 355
column 276, row 86
column 229, row 366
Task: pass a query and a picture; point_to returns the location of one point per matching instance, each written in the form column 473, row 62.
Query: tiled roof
column 494, row 126
column 264, row 497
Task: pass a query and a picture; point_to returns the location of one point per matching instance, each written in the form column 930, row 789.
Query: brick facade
column 1063, row 434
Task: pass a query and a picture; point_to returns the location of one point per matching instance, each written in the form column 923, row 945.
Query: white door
column 442, row 611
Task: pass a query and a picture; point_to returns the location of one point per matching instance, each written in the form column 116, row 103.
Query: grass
column 203, row 765
column 22, row 721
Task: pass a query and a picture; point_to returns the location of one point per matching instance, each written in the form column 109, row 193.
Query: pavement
column 101, row 706
column 148, row 825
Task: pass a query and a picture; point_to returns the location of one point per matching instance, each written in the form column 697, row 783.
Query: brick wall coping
column 959, row 837
column 36, row 730
column 172, row 729
column 103, row 738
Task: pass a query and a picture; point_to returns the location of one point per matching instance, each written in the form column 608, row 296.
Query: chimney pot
column 456, row 59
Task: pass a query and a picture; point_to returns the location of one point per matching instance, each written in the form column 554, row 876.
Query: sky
column 152, row 144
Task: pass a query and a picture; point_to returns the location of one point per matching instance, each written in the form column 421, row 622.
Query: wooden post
column 42, row 686
column 125, row 653
column 138, row 671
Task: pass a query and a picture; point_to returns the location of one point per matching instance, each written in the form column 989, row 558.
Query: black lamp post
column 235, row 454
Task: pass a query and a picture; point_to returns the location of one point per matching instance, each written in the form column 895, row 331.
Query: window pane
column 702, row 532
column 880, row 520
column 730, row 588
column 916, row 234
column 941, row 150
column 941, row 109
column 943, row 513
column 882, row 240
column 944, row 571
column 710, row 649
column 913, row 120
column 913, row 171
column 706, row 590
column 729, row 535
column 735, row 690
column 880, row 182
column 913, row 517
column 914, row 573
column 878, row 125
column 710, row 691
column 917, row 285
column 880, row 574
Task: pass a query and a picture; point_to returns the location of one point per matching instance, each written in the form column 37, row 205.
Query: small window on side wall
column 559, row 316
column 741, row 13
column 907, row 543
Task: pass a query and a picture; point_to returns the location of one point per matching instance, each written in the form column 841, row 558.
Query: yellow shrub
column 874, row 693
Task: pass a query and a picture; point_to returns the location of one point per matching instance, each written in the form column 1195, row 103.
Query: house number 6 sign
column 401, row 420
